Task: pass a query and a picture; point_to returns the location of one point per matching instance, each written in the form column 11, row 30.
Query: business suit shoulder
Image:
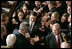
column 49, row 36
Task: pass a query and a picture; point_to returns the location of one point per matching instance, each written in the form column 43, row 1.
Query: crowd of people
column 37, row 24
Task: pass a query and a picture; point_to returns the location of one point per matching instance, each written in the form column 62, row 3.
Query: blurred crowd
column 37, row 24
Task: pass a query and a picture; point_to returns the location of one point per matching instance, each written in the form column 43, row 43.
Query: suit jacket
column 51, row 42
column 22, row 42
column 34, row 29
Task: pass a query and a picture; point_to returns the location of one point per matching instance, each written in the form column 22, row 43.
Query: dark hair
column 33, row 13
column 66, row 16
column 53, row 22
column 19, row 10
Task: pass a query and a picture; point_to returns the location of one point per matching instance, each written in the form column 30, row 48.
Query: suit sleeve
column 47, row 42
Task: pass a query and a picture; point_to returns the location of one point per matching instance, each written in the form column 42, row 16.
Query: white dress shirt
column 32, row 23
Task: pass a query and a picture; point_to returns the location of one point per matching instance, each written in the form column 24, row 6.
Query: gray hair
column 24, row 25
column 11, row 39
column 56, row 25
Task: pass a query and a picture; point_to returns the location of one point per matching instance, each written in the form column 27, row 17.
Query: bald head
column 56, row 28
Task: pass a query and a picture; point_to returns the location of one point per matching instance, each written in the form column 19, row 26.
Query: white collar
column 22, row 33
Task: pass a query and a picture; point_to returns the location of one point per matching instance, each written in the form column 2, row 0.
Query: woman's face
column 24, row 9
column 67, row 2
column 63, row 19
column 20, row 15
column 58, row 4
column 53, row 17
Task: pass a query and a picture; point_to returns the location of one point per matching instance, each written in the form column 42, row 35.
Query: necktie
column 31, row 28
column 58, row 41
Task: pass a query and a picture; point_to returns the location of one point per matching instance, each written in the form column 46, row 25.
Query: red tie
column 58, row 41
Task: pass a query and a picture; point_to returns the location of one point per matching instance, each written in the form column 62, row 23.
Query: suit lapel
column 54, row 39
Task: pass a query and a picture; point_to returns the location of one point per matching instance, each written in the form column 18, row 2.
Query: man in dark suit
column 54, row 39
column 21, row 40
column 33, row 24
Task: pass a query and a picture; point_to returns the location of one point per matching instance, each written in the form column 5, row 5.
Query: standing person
column 33, row 23
column 54, row 39
column 21, row 40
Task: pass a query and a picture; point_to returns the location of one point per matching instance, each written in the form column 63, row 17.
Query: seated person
column 54, row 39
column 10, row 41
